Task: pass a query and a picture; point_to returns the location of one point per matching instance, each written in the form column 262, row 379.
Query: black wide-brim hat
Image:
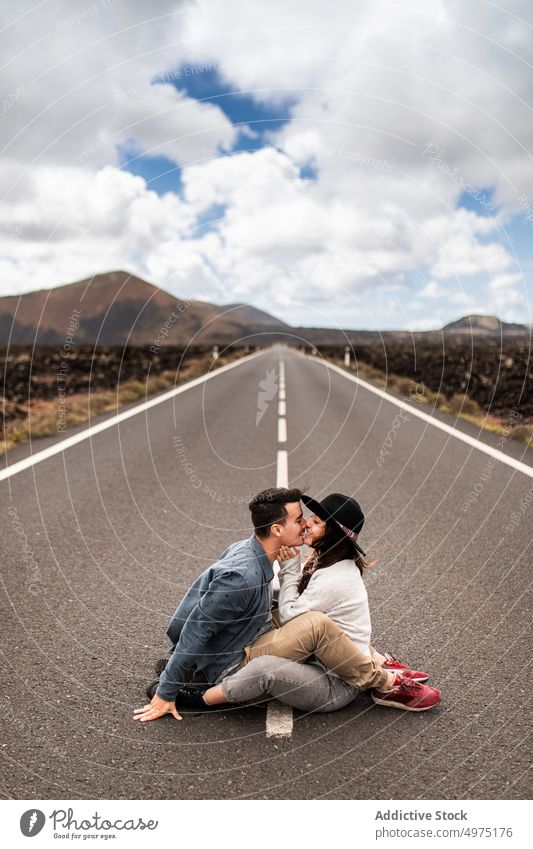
column 345, row 511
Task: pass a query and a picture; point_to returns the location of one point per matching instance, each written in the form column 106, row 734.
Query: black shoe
column 161, row 664
column 191, row 697
column 151, row 688
column 198, row 679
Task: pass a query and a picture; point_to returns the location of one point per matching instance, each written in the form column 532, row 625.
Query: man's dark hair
column 268, row 508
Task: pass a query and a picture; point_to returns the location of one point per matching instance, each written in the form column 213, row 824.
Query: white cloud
column 84, row 76
column 430, row 322
column 504, row 282
column 385, row 80
column 372, row 85
column 462, row 256
column 96, row 222
column 432, row 290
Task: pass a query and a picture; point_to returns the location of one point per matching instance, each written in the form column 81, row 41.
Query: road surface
column 101, row 540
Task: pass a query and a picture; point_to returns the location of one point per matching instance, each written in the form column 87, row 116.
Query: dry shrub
column 368, row 372
column 463, row 405
column 403, row 385
column 159, row 382
column 427, row 396
column 131, row 390
column 524, row 433
column 99, row 402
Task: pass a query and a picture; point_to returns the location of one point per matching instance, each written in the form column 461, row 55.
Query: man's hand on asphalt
column 157, row 707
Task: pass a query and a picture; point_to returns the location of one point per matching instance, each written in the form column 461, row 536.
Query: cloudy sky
column 354, row 163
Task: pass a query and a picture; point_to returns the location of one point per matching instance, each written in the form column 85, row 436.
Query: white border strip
column 89, row 432
column 470, row 440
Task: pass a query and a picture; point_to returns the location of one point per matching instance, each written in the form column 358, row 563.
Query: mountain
column 116, row 308
column 253, row 316
column 479, row 325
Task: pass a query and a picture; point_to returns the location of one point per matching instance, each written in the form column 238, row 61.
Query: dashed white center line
column 279, row 720
column 282, row 470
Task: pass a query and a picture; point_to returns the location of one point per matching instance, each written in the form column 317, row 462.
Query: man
column 228, row 608
column 229, row 605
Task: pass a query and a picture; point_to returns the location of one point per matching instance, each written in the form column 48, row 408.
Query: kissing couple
column 229, row 646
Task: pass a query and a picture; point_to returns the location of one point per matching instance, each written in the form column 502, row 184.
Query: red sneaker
column 394, row 665
column 408, row 674
column 408, row 695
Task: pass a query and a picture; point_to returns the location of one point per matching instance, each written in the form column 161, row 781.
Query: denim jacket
column 222, row 613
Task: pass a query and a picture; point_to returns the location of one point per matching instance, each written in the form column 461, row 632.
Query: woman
column 332, row 583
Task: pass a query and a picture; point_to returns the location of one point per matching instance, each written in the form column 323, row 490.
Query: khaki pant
column 314, row 633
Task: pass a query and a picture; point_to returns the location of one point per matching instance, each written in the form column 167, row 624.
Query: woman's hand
column 287, row 552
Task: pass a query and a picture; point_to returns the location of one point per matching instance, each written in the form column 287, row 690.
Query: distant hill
column 480, row 326
column 483, row 324
column 253, row 316
column 117, row 308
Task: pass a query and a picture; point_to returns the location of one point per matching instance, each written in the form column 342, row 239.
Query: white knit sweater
column 337, row 590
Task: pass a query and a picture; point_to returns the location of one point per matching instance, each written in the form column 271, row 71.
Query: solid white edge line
column 464, row 437
column 58, row 447
column 282, row 430
column 279, row 718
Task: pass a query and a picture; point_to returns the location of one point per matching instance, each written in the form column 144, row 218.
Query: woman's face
column 315, row 530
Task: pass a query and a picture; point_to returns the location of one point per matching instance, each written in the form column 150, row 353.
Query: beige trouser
column 314, row 633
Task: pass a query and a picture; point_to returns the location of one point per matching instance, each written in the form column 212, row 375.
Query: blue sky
column 258, row 121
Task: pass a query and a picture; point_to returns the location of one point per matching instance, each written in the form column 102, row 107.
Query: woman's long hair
column 333, row 546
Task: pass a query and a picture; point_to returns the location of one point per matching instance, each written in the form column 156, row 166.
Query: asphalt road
column 100, row 542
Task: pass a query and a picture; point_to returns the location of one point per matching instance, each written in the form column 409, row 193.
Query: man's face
column 293, row 529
